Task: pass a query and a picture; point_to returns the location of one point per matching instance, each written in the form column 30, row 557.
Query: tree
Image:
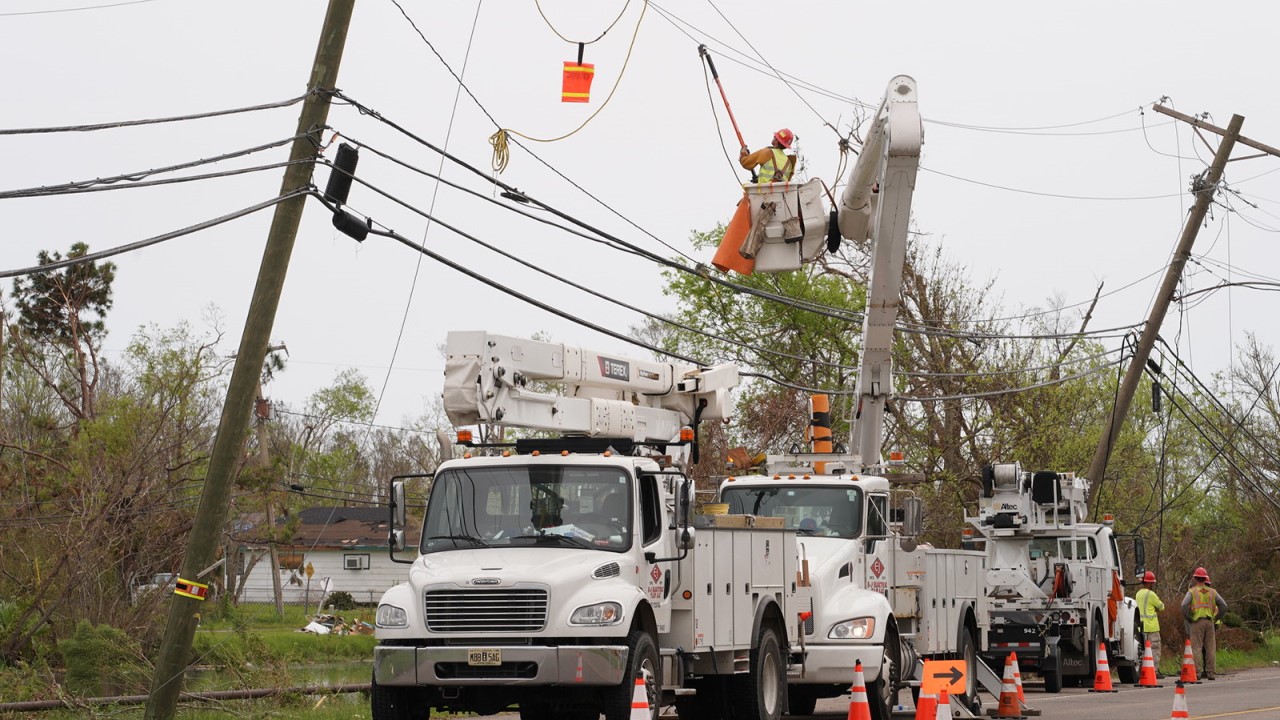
column 61, row 323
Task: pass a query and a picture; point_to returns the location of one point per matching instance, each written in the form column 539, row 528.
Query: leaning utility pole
column 228, row 445
column 1124, row 396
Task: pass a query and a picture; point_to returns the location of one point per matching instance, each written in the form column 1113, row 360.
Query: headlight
column 391, row 616
column 605, row 613
column 855, row 629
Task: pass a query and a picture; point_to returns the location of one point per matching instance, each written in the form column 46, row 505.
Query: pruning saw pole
column 702, row 50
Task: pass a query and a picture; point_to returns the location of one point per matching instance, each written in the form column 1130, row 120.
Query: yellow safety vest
column 1202, row 604
column 777, row 169
column 1149, row 604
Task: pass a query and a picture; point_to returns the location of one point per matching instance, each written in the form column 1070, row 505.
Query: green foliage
column 67, row 306
column 102, row 660
column 341, row 600
column 1233, row 620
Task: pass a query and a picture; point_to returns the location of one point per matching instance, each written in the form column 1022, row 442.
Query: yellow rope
column 580, row 42
column 501, row 149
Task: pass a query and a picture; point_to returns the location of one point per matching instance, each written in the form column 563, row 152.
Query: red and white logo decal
column 656, row 574
column 877, row 567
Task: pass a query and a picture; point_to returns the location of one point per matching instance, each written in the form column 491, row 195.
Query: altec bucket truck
column 1053, row 588
column 877, row 596
column 557, row 573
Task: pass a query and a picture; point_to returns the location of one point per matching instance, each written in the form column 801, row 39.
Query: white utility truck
column 1053, row 586
column 557, row 573
column 877, row 596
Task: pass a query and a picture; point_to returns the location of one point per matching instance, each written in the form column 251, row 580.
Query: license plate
column 485, row 656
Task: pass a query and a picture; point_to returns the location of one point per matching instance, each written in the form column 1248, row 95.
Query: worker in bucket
column 1149, row 607
column 1202, row 607
column 777, row 162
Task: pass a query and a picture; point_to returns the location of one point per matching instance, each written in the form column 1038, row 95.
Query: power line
column 130, row 247
column 92, row 186
column 75, row 9
column 1046, row 194
column 135, row 177
column 155, row 121
column 1013, row 390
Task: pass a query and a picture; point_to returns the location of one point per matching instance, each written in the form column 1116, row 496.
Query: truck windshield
column 572, row 506
column 821, row 511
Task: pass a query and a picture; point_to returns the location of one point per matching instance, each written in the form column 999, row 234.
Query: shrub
column 341, row 600
column 1231, row 619
column 102, row 660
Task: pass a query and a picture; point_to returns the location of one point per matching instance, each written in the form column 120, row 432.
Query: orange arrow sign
column 942, row 675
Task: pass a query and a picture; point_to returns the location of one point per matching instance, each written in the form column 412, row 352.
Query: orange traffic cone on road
column 1009, row 707
column 926, row 706
column 859, row 707
column 1147, row 676
column 1188, row 676
column 1017, row 680
column 944, row 706
column 1179, row 704
column 640, row 700
column 1102, row 678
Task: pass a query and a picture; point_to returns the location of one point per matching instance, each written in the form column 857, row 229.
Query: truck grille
column 509, row 611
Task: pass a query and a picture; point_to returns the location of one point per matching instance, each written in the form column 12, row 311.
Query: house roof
column 343, row 527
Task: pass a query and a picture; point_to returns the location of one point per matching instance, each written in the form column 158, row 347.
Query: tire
column 397, row 703
column 1051, row 672
column 1095, row 639
column 802, row 699
column 642, row 662
column 759, row 694
column 969, row 654
column 881, row 692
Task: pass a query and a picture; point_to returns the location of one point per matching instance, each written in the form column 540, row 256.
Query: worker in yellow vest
column 1202, row 607
column 1149, row 607
column 776, row 163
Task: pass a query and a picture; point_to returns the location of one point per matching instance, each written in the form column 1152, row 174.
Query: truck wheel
column 969, row 654
column 882, row 692
column 758, row 695
column 642, row 663
column 397, row 703
column 1052, row 674
column 802, row 699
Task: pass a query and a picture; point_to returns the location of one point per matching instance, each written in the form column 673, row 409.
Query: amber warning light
column 464, row 436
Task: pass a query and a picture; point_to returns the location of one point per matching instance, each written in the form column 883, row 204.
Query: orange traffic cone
column 640, row 701
column 927, row 707
column 1188, row 676
column 859, row 707
column 1017, row 680
column 1147, row 676
column 1009, row 707
column 1179, row 703
column 944, row 706
column 1102, row 678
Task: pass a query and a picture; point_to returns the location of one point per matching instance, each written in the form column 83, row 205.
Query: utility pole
column 228, row 445
column 1133, row 374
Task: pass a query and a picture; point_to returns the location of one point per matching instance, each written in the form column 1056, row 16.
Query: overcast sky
column 1042, row 212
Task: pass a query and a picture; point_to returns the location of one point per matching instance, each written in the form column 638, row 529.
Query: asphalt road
column 1245, row 694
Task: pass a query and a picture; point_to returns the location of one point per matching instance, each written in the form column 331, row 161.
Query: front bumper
column 521, row 665
column 824, row 664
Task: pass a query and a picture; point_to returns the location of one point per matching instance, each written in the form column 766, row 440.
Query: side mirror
column 396, row 539
column 912, row 516
column 397, row 507
column 1139, row 557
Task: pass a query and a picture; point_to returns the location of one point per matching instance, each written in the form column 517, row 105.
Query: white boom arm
column 876, row 204
column 487, row 378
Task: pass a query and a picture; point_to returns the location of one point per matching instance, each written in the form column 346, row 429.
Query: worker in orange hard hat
column 1149, row 607
column 777, row 162
column 1202, row 607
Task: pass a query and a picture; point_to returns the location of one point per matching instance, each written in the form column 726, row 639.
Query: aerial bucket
column 777, row 227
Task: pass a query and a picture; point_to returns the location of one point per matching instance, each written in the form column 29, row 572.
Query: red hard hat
column 1148, row 577
column 784, row 137
column 1201, row 573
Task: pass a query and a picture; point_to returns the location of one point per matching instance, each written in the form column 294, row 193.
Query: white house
column 345, row 548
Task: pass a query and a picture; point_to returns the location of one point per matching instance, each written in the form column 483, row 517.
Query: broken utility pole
column 228, row 445
column 1204, row 192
